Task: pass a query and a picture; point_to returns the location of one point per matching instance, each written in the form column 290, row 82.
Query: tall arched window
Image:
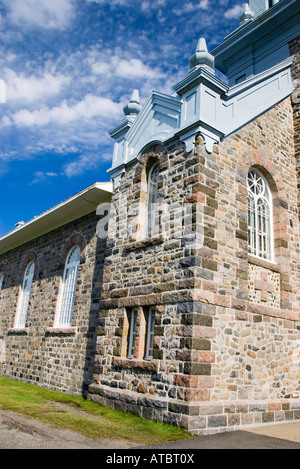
column 23, row 304
column 260, row 231
column 68, row 288
column 1, row 280
column 151, row 213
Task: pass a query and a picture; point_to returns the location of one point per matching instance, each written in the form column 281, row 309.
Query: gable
column 157, row 122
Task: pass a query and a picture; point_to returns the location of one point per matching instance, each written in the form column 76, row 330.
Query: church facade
column 174, row 292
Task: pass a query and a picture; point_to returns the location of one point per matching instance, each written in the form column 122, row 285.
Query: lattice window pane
column 151, row 221
column 259, row 216
column 25, row 296
column 132, row 332
column 68, row 290
column 150, row 334
column 1, row 280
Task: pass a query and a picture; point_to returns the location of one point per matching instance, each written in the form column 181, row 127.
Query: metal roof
column 71, row 209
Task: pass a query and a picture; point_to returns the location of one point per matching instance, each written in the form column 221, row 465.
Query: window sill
column 144, row 243
column 61, row 330
column 263, row 263
column 18, row 331
column 148, row 365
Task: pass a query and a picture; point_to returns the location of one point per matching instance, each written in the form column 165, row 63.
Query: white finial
column 133, row 107
column 202, row 57
column 247, row 15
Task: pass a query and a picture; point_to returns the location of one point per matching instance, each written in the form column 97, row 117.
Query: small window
column 150, row 334
column 1, row 280
column 260, row 232
column 132, row 332
column 68, row 288
column 23, row 304
column 151, row 213
column 141, row 333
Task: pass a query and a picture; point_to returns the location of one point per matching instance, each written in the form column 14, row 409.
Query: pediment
column 157, row 122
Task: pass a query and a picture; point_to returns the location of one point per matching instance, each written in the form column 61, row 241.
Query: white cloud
column 101, row 68
column 110, row 2
column 88, row 108
column 234, row 12
column 126, row 68
column 49, row 14
column 42, row 177
column 82, row 163
column 204, row 4
column 190, row 7
column 134, row 68
column 32, row 88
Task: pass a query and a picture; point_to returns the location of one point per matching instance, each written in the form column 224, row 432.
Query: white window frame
column 1, row 280
column 150, row 334
column 151, row 209
column 132, row 332
column 25, row 294
column 67, row 292
column 260, row 216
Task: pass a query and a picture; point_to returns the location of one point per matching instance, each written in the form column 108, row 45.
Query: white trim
column 77, row 206
column 260, row 239
column 132, row 332
column 25, row 293
column 150, row 334
column 68, row 289
column 1, row 280
column 150, row 231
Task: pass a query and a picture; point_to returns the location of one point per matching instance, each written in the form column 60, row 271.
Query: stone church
column 173, row 291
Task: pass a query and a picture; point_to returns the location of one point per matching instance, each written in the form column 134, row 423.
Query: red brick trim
column 259, row 160
column 146, row 160
column 30, row 256
column 74, row 239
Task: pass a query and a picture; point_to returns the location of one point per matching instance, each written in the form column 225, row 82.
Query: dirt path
column 20, row 432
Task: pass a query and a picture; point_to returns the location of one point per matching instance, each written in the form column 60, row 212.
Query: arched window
column 23, row 304
column 1, row 280
column 68, row 288
column 151, row 212
column 260, row 231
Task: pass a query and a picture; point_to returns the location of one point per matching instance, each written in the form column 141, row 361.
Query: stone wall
column 295, row 50
column 56, row 358
column 227, row 330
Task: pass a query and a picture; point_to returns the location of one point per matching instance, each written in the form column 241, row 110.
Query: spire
column 202, row 57
column 247, row 15
column 133, row 107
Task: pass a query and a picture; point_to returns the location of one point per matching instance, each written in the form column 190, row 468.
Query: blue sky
column 69, row 67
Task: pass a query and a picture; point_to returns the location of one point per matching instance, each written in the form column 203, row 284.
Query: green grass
column 97, row 422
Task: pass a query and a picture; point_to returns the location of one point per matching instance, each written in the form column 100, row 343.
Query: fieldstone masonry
column 227, row 324
column 227, row 329
column 56, row 358
column 295, row 50
column 264, row 286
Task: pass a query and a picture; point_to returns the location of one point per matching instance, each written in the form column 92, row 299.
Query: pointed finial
column 247, row 14
column 133, row 107
column 202, row 57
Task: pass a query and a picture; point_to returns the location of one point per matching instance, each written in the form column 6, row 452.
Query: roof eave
column 71, row 209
